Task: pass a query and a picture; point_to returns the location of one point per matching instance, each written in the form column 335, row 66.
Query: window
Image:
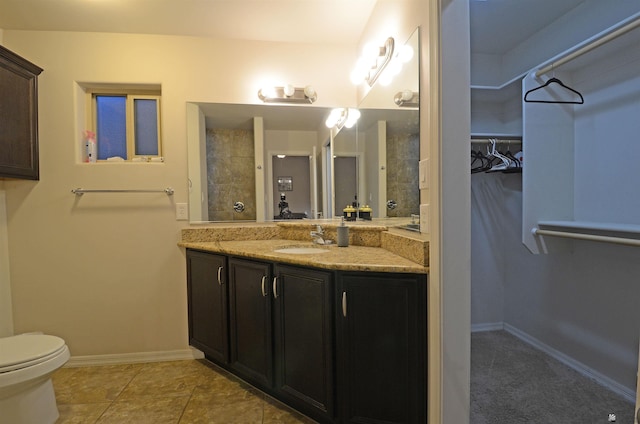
column 126, row 123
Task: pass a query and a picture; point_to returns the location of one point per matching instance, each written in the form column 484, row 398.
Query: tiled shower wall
column 403, row 153
column 230, row 174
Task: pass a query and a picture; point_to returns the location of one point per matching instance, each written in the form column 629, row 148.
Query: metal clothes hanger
column 554, row 80
column 506, row 162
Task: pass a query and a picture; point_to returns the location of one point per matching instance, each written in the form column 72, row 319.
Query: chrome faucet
column 318, row 235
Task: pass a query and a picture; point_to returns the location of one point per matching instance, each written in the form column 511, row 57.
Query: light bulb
column 370, row 51
column 333, row 118
column 268, row 92
column 352, row 117
column 394, row 67
column 385, row 79
column 289, row 90
column 406, row 95
column 310, row 92
column 405, row 54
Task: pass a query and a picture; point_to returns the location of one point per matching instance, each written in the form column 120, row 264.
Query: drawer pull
column 219, row 275
column 264, row 292
column 344, row 304
column 275, row 287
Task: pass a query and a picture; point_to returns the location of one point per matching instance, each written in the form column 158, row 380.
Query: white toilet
column 26, row 391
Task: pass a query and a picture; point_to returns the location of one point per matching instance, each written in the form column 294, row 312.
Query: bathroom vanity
column 339, row 339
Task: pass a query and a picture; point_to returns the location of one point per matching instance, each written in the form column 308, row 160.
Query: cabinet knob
column 275, row 287
column 344, row 304
column 264, row 292
column 219, row 275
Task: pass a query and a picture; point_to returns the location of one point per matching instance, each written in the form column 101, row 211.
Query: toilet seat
column 26, row 350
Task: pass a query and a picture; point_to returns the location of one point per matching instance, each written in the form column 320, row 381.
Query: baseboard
column 133, row 358
column 602, row 379
column 487, row 326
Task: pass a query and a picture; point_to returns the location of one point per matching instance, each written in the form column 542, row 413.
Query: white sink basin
column 301, row 250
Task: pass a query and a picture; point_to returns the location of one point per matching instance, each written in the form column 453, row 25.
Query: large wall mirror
column 253, row 162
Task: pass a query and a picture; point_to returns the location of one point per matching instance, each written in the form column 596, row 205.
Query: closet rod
column 591, row 237
column 498, row 140
column 596, row 41
column 81, row 191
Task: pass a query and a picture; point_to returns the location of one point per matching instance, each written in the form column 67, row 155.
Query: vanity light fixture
column 288, row 94
column 407, row 98
column 372, row 62
column 342, row 117
column 382, row 63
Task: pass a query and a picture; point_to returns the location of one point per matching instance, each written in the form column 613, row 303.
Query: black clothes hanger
column 556, row 81
column 485, row 163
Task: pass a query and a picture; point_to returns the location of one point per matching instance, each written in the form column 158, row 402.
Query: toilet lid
column 27, row 349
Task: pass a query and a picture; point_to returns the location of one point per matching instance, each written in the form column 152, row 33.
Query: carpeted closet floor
column 513, row 382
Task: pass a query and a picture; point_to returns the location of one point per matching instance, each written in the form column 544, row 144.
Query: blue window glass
column 111, row 116
column 146, row 126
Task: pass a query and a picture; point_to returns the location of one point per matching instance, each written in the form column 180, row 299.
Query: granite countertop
column 351, row 258
column 372, row 247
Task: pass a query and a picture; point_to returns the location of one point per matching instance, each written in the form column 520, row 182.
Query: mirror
column 236, row 174
column 255, row 162
column 384, row 148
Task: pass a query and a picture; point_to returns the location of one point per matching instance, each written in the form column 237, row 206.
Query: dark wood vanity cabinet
column 281, row 332
column 207, row 290
column 381, row 353
column 304, row 339
column 340, row 347
column 18, row 116
column 250, row 321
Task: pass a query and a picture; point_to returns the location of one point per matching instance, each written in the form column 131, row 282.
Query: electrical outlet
column 424, row 218
column 182, row 212
column 423, row 174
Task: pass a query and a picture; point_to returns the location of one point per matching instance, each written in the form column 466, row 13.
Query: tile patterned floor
column 184, row 392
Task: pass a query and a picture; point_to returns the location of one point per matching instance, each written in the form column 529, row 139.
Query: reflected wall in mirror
column 292, row 185
column 234, row 159
column 230, row 177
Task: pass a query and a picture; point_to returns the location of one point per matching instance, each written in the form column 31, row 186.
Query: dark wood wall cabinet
column 339, row 347
column 18, row 117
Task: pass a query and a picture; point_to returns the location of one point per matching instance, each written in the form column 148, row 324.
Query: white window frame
column 131, row 95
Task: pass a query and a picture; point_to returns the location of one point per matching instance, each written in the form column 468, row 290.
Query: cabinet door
column 303, row 336
column 250, row 321
column 382, row 348
column 207, row 297
column 18, row 117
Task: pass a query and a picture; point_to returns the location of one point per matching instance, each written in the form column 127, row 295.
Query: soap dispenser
column 343, row 234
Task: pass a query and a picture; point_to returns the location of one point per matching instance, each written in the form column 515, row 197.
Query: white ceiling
column 308, row 21
column 496, row 25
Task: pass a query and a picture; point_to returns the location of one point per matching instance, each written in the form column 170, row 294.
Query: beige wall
column 103, row 270
column 6, row 310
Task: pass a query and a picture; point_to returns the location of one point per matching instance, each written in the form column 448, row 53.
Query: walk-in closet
column 555, row 211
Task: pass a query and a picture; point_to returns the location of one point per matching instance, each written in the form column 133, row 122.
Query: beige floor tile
column 92, row 384
column 278, row 413
column 165, row 410
column 176, row 378
column 189, row 392
column 200, row 411
column 81, row 413
column 223, row 390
